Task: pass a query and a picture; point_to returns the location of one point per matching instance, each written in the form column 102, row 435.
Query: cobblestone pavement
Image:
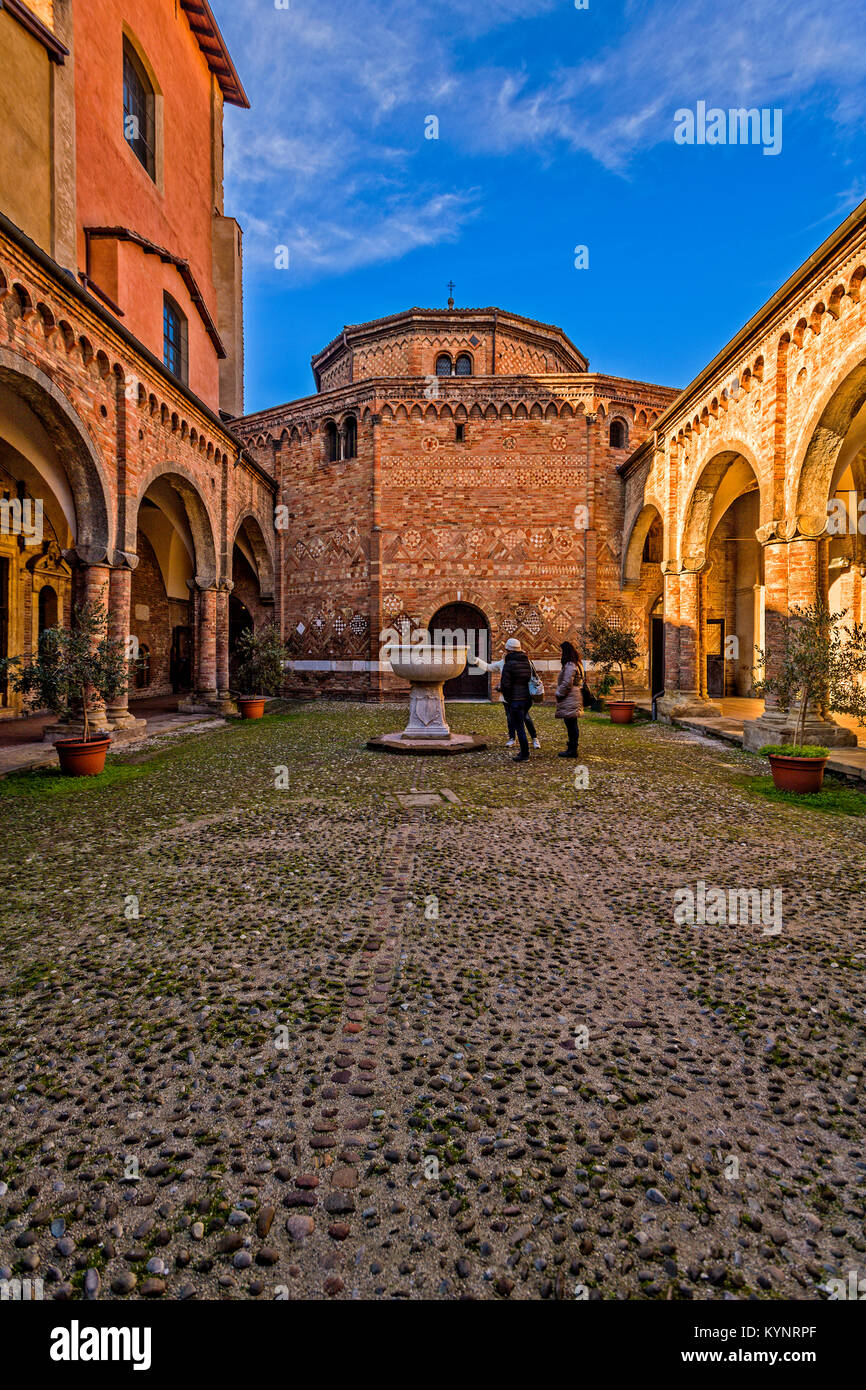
column 354, row 1047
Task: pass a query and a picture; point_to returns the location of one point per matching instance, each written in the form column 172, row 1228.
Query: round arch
column 93, row 530
column 634, row 549
column 728, row 474
column 197, row 514
column 459, row 617
column 253, row 533
column 819, row 449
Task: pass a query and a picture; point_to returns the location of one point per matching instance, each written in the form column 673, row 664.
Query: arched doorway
column 176, row 552
column 251, row 604
column 720, row 543
column 47, row 608
column 51, row 502
column 657, row 648
column 240, row 621
column 464, row 623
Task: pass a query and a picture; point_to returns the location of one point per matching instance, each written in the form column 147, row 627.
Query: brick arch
column 638, row 534
column 198, row 515
column 817, row 450
column 78, row 454
column 443, row 597
column 694, row 531
column 255, row 534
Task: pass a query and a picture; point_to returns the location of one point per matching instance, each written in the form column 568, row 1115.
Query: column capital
column 124, row 560
column 781, row 531
column 87, row 557
column 693, row 564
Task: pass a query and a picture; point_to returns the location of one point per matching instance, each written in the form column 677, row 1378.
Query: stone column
column 225, row 701
column 204, row 696
column 89, row 585
column 683, row 649
column 119, row 607
column 790, row 578
column 671, row 580
column 95, row 582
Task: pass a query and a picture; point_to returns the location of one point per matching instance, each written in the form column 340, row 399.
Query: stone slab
column 437, row 748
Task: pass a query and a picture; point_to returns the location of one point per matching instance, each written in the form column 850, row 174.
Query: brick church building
column 454, row 469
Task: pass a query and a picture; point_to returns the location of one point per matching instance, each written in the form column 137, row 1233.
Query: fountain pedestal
column 427, row 669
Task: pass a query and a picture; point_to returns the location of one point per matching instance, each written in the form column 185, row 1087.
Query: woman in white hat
column 512, row 645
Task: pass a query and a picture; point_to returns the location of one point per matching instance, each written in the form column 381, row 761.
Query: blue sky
column 555, row 130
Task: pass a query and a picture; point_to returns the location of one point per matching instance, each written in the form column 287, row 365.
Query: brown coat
column 568, row 697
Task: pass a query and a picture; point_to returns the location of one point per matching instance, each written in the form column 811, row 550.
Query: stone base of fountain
column 427, row 732
column 435, row 747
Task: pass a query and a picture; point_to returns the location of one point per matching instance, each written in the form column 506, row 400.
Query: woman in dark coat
column 514, row 687
column 569, row 697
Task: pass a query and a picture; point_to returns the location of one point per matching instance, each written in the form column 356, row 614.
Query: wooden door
column 465, row 623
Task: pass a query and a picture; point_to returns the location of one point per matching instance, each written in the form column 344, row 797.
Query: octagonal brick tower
column 455, row 470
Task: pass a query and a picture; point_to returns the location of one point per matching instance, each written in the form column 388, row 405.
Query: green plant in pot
column 614, row 650
column 73, row 671
column 822, row 660
column 262, row 655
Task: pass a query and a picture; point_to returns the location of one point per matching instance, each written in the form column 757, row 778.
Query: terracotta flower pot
column 251, row 706
column 82, row 759
column 621, row 711
column 797, row 774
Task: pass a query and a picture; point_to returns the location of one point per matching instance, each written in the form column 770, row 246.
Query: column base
column 126, row 728
column 198, row 702
column 224, row 703
column 780, row 726
column 98, row 724
column 686, row 704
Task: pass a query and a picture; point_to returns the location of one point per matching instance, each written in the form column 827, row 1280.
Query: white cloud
column 334, row 146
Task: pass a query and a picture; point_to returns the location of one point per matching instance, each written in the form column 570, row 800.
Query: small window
column 138, row 110
column 174, row 338
column 618, row 434
column 350, row 437
column 142, row 667
column 460, row 434
column 332, row 441
column 443, row 364
column 47, row 608
column 463, row 365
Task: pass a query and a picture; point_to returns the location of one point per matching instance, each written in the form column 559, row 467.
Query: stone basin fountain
column 427, row 668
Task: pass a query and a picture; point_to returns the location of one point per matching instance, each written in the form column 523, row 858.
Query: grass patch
column 834, row 798
column 49, row 782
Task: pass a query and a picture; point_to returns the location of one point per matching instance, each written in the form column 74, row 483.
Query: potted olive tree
column 262, row 654
column 72, row 670
column 822, row 660
column 612, row 649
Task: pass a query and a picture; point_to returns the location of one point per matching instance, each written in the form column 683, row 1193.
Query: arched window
column 350, row 437
column 618, row 434
column 443, row 364
column 142, row 667
column 47, row 608
column 174, row 338
column 139, row 103
column 463, row 365
column 332, row 440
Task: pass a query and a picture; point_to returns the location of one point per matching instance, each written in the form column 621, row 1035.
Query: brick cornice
column 36, row 264
column 579, row 388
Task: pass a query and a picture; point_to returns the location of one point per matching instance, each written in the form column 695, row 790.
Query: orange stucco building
column 121, row 344
column 115, row 111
